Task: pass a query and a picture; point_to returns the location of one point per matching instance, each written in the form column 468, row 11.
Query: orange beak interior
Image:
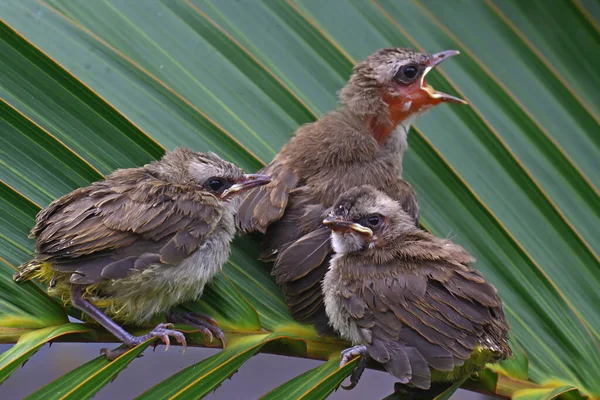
column 420, row 96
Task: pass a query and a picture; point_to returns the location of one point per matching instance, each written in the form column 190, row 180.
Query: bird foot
column 204, row 323
column 347, row 355
column 162, row 331
column 351, row 352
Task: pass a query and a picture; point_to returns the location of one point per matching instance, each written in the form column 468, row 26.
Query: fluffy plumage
column 144, row 239
column 362, row 142
column 412, row 299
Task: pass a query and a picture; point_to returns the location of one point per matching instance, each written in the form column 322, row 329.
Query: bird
column 405, row 298
column 140, row 242
column 361, row 142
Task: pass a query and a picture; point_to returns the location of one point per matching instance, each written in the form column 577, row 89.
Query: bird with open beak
column 141, row 242
column 362, row 142
column 405, row 298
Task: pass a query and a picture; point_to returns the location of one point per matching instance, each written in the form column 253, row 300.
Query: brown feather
column 408, row 296
column 305, row 312
column 323, row 160
column 436, row 356
column 263, row 205
column 421, row 375
column 380, row 352
column 399, row 364
column 120, row 215
column 302, row 256
column 304, row 299
column 310, row 280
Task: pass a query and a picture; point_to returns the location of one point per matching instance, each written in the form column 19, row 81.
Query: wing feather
column 109, row 229
column 302, row 256
column 263, row 205
column 412, row 322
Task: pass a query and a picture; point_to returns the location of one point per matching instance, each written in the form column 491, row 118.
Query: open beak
column 439, row 97
column 249, row 181
column 338, row 224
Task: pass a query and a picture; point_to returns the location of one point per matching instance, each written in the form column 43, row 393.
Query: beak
column 438, row 58
column 249, row 181
column 442, row 56
column 338, row 224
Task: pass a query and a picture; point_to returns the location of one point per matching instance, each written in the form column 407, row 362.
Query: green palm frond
column 88, row 87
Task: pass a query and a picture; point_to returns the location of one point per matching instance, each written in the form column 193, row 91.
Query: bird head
column 390, row 87
column 364, row 217
column 218, row 177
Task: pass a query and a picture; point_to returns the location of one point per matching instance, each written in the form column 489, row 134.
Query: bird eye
column 215, row 184
column 410, row 71
column 374, row 220
column 407, row 73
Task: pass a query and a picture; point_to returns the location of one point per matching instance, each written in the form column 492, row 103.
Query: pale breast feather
column 339, row 317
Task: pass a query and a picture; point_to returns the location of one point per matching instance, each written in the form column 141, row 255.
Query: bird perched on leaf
column 405, row 298
column 362, row 142
column 141, row 242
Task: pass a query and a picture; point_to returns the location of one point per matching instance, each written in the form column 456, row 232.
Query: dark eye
column 410, row 72
column 374, row 220
column 215, row 184
column 407, row 73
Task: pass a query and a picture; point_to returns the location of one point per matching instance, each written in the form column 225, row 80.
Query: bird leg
column 204, row 323
column 347, row 355
column 161, row 331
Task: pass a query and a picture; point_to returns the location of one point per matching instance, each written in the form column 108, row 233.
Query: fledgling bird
column 362, row 142
column 405, row 298
column 141, row 242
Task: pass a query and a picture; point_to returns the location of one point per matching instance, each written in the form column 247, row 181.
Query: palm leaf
column 315, row 384
column 86, row 88
column 85, row 381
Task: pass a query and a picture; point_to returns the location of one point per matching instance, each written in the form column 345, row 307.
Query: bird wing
column 301, row 264
column 263, row 205
column 301, row 246
column 109, row 229
column 434, row 318
column 302, row 260
column 299, row 269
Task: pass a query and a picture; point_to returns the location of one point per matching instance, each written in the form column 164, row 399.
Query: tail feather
column 27, row 271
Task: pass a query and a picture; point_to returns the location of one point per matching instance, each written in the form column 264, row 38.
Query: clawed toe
column 208, row 336
column 209, row 332
column 221, row 336
column 205, row 324
column 205, row 317
column 164, row 331
column 349, row 354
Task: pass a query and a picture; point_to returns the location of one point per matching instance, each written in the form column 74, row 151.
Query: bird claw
column 164, row 331
column 346, row 356
column 205, row 317
column 207, row 334
column 208, row 326
column 161, row 331
column 351, row 352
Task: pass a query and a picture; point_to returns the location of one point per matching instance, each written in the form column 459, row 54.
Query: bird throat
column 400, row 117
column 400, row 111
